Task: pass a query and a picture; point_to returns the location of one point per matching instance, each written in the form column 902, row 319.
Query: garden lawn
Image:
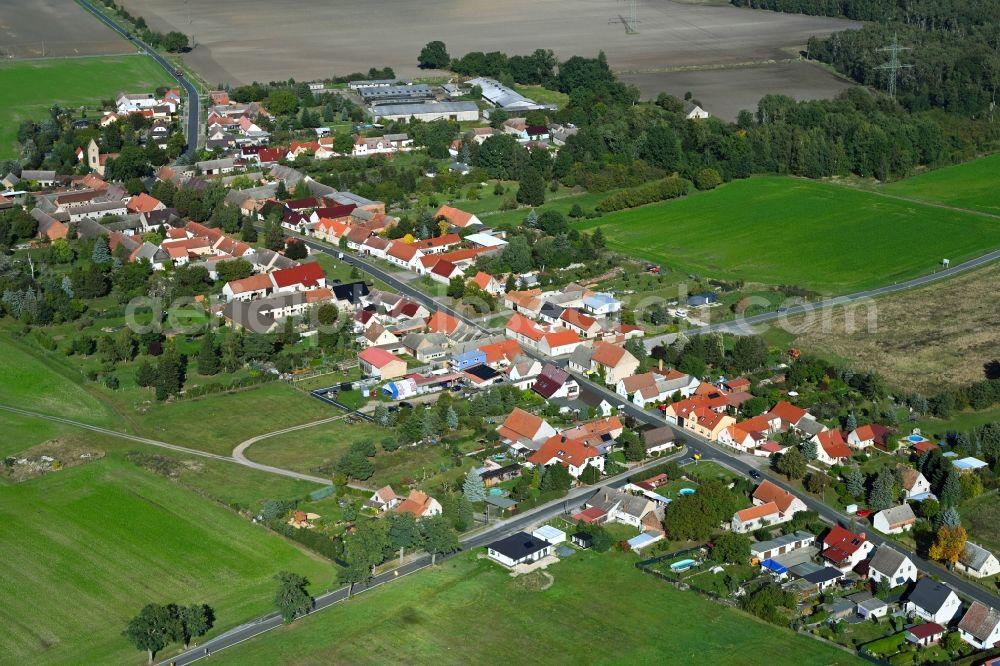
column 85, row 548
column 788, row 231
column 470, row 611
column 28, row 89
column 29, row 380
column 981, row 516
column 969, row 185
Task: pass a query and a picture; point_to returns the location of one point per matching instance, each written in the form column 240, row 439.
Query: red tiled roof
column 402, row 251
column 308, row 274
column 607, row 354
column 496, row 352
column 926, row 630
column 444, row 268
column 142, row 203
column 377, row 358
column 590, row 515
column 252, row 283
column 568, row 451
column 833, row 443
column 442, row 322
column 561, row 338
column 522, row 424
column 438, row 241
column 839, row 544
column 457, row 217
column 758, row 511
column 788, row 412
column 770, row 492
column 578, row 319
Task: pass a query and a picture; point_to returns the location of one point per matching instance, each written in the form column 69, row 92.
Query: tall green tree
column 439, row 536
column 792, row 464
column 292, row 597
column 434, row 56
column 208, row 356
column 195, row 620
column 153, row 629
column 531, row 188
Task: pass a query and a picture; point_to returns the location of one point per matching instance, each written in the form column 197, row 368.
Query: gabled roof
column 483, row 280
column 787, row 412
column 259, row 282
column 417, row 503
column 498, row 351
column 561, row 338
column 444, row 268
column 567, row 451
column 886, row 560
column 609, row 355
column 833, row 444
column 873, row 432
column 980, row 620
column 308, row 274
column 974, row 556
column 759, row 511
column 925, row 630
column 578, row 319
column 521, row 424
column 378, row 358
column 841, row 544
column 442, row 322
column 143, row 203
column 457, row 217
column 768, row 491
column 898, row 515
column 402, row 251
column 550, row 381
column 930, row 595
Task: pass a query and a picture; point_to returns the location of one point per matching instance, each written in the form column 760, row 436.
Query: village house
column 707, row 423
column 933, row 601
column 611, row 362
column 636, row 511
column 524, row 430
column 524, row 372
column 831, row 449
column 786, row 502
column 925, row 634
column 894, row 520
column 457, row 218
column 845, row 549
column 915, row 485
column 520, row 548
column 487, row 283
column 379, row 363
column 384, row 499
column 867, row 435
column 658, row 440
column 868, row 606
column 554, row 382
column 892, row 566
column 980, row 626
column 573, row 454
column 756, row 517
column 765, row 550
column 977, row 562
column 420, row 504
column 600, row 433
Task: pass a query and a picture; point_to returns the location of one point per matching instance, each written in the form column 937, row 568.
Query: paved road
column 173, row 447
column 193, row 103
column 747, row 325
column 487, row 534
column 710, row 451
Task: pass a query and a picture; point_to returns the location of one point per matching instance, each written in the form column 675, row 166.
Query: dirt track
column 244, row 40
column 56, row 28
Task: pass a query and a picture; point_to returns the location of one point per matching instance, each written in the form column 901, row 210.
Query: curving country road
column 242, row 460
column 746, row 325
column 193, row 104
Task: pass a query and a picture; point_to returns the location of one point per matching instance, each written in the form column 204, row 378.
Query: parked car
column 754, row 474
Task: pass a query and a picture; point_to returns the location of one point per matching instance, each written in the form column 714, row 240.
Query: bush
column 668, row 188
column 707, row 179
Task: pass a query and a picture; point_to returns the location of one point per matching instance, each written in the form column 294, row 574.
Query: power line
column 631, row 22
column 893, row 66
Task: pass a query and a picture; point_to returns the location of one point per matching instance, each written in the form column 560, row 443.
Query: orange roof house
column 573, row 454
column 456, row 217
column 501, row 352
column 831, row 447
column 442, row 322
column 784, row 500
column 144, row 203
column 420, row 504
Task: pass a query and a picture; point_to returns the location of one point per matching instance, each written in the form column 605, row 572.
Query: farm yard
column 725, row 92
column 28, row 89
column 786, row 231
column 50, row 28
column 969, row 185
column 103, row 538
column 915, row 345
column 626, row 627
column 319, row 40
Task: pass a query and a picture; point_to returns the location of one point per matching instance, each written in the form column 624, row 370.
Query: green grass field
column 969, row 185
column 31, row 381
column 778, row 230
column 470, row 611
column 29, row 88
column 85, row 548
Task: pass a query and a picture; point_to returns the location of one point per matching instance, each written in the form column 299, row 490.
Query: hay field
column 238, row 42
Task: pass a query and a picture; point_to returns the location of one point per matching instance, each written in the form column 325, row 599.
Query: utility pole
column 631, row 22
column 893, row 66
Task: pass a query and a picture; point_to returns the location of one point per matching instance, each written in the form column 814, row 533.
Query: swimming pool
column 915, row 438
column 686, row 491
column 683, row 565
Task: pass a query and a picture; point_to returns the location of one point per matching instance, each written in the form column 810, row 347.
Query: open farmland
column 780, row 230
column 428, row 618
column 314, row 40
column 28, row 89
column 85, row 548
column 934, row 337
column 969, row 185
column 52, row 28
column 725, row 92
